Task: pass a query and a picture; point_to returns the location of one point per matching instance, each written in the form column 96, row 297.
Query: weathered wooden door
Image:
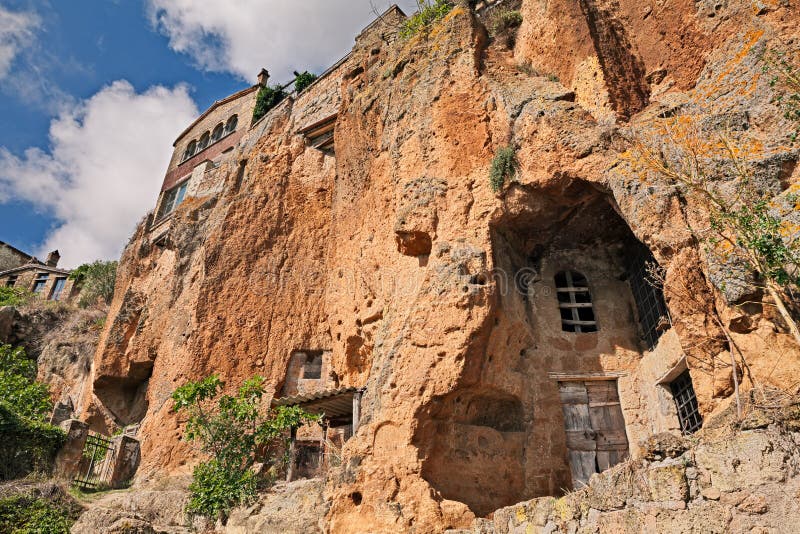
column 595, row 427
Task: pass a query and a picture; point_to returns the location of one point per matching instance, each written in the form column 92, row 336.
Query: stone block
column 749, row 459
column 667, row 481
column 69, row 457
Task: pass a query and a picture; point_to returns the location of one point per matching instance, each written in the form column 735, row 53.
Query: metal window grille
column 686, row 403
column 96, row 466
column 575, row 302
column 648, row 295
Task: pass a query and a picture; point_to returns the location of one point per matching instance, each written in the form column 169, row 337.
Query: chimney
column 263, row 77
column 52, row 259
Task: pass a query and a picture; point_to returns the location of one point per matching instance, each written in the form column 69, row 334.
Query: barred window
column 575, row 302
column 686, row 403
column 647, row 293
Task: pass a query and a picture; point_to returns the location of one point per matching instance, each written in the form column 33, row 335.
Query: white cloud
column 103, row 170
column 242, row 36
column 17, row 31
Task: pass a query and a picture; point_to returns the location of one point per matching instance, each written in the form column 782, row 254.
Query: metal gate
column 97, row 463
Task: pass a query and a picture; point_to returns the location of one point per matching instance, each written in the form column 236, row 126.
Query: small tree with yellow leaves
column 745, row 223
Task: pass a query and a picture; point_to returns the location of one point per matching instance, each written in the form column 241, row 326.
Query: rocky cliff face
column 433, row 292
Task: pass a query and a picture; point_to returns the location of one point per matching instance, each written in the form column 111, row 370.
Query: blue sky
column 93, row 92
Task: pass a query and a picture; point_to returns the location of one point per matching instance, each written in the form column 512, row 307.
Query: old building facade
column 44, row 279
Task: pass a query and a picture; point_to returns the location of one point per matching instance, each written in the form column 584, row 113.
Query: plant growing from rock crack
column 428, row 12
column 235, row 434
column 504, row 168
column 747, row 225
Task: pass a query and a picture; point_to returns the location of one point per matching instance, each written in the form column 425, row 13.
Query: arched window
column 231, row 125
column 190, row 150
column 216, row 135
column 203, row 141
column 575, row 302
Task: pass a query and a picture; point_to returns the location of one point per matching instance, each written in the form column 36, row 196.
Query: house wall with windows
column 49, row 283
column 202, row 147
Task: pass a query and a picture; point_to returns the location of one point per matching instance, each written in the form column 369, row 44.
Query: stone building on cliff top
column 496, row 347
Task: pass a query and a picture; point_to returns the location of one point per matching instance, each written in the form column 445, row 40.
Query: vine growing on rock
column 302, row 80
column 97, row 281
column 236, row 434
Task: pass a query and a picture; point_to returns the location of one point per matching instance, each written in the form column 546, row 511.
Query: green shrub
column 14, row 296
column 504, row 168
column 509, row 19
column 268, row 98
column 428, row 12
column 97, row 280
column 34, row 514
column 303, row 80
column 26, row 445
column 27, row 442
column 235, row 435
column 19, row 390
column 215, row 489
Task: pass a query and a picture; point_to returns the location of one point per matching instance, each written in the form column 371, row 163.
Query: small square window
column 312, row 368
column 11, row 281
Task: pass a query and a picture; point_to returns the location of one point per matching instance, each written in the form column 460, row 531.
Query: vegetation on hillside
column 41, row 509
column 14, row 296
column 97, row 280
column 235, row 434
column 27, row 442
column 428, row 12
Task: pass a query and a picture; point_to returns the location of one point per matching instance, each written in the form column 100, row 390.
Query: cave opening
column 565, row 261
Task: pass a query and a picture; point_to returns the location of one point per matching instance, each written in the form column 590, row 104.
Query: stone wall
column 744, row 483
column 24, row 279
column 11, row 257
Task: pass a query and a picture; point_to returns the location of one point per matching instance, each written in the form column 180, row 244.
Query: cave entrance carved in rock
column 503, row 435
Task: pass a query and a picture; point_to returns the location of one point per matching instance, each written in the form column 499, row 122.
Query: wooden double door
column 594, row 425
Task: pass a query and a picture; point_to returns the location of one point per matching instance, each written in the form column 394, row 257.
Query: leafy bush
column 97, row 280
column 428, row 12
column 511, row 19
column 504, row 168
column 267, row 98
column 32, row 513
column 19, row 390
column 26, row 445
column 236, row 435
column 27, row 442
column 13, row 296
column 303, row 80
